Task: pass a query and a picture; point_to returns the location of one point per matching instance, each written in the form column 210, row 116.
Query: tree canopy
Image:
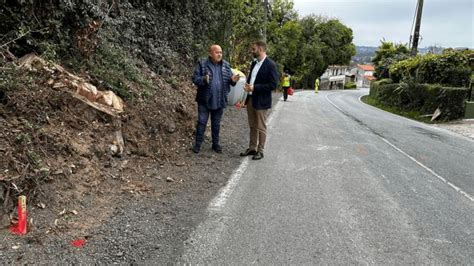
column 303, row 46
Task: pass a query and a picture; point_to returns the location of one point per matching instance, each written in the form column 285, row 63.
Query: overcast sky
column 447, row 23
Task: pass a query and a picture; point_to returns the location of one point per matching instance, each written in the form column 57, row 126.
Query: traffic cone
column 20, row 227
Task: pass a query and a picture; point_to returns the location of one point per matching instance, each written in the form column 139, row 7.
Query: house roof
column 369, row 77
column 366, row 67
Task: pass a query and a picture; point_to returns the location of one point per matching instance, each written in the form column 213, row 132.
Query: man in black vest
column 213, row 77
column 263, row 78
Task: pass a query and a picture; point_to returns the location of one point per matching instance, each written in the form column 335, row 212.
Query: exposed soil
column 141, row 206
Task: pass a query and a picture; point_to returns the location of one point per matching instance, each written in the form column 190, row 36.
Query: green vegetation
column 101, row 37
column 118, row 70
column 415, row 115
column 350, row 86
column 423, row 83
column 386, row 55
column 450, row 68
column 424, row 99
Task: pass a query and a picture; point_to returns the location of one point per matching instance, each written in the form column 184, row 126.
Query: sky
column 446, row 23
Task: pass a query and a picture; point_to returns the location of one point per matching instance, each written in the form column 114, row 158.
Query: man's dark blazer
column 267, row 80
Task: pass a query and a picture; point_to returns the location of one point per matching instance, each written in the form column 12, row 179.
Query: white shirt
column 255, row 70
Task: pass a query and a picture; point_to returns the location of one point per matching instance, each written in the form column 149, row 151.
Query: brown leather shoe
column 248, row 152
column 258, row 156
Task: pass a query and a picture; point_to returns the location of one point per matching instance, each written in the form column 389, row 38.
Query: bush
column 450, row 68
column 404, row 69
column 411, row 95
column 386, row 55
column 423, row 98
column 384, row 92
column 350, row 85
column 450, row 100
column 374, row 87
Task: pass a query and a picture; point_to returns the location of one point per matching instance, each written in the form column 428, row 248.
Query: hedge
column 424, row 98
column 350, row 85
column 450, row 68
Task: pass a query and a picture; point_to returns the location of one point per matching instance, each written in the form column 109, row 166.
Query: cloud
column 444, row 22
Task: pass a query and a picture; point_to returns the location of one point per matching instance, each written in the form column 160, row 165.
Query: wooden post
column 416, row 34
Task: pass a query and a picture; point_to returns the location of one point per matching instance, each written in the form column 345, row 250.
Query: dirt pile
column 56, row 147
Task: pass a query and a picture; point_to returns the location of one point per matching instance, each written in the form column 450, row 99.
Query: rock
column 113, row 149
column 171, row 128
column 4, row 221
column 169, row 179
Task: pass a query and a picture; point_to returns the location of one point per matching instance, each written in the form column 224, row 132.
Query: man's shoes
column 196, row 149
column 217, row 148
column 258, row 156
column 248, row 152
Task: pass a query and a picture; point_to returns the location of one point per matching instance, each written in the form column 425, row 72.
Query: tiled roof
column 366, row 67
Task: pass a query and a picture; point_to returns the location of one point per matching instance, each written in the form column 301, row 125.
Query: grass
column 415, row 115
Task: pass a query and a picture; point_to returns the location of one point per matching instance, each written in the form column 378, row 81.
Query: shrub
column 374, row 87
column 404, row 69
column 350, row 85
column 386, row 55
column 384, row 92
column 423, row 98
column 450, row 68
column 450, row 101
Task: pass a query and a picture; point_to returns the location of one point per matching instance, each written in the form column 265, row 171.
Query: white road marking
column 449, row 132
column 471, row 198
column 224, row 193
column 204, row 240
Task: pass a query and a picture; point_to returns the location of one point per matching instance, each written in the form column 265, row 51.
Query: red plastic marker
column 79, row 243
column 20, row 227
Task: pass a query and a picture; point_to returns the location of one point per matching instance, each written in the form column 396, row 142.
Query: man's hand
column 235, row 78
column 206, row 79
column 248, row 87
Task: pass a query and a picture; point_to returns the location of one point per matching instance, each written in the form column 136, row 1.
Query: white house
column 334, row 78
column 364, row 75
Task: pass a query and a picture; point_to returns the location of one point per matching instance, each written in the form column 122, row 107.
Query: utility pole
column 416, row 34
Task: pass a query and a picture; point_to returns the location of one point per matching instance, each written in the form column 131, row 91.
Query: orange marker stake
column 20, row 227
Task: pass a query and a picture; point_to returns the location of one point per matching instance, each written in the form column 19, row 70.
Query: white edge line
column 224, row 193
column 429, row 170
column 471, row 198
column 420, row 123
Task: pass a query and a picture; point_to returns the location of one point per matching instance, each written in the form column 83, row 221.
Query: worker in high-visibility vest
column 286, row 84
column 316, row 85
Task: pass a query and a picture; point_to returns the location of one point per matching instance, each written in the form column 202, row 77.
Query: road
column 343, row 182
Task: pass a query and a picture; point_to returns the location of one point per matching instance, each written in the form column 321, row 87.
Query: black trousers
column 285, row 93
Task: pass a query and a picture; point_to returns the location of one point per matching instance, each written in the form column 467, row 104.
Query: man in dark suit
column 263, row 78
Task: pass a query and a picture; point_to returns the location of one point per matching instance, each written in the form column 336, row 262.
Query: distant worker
column 316, row 85
column 286, row 84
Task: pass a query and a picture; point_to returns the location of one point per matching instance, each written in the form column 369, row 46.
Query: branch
column 21, row 36
column 106, row 16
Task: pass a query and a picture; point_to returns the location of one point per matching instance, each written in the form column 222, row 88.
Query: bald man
column 213, row 77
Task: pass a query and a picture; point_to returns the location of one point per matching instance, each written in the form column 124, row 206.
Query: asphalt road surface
column 343, row 182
